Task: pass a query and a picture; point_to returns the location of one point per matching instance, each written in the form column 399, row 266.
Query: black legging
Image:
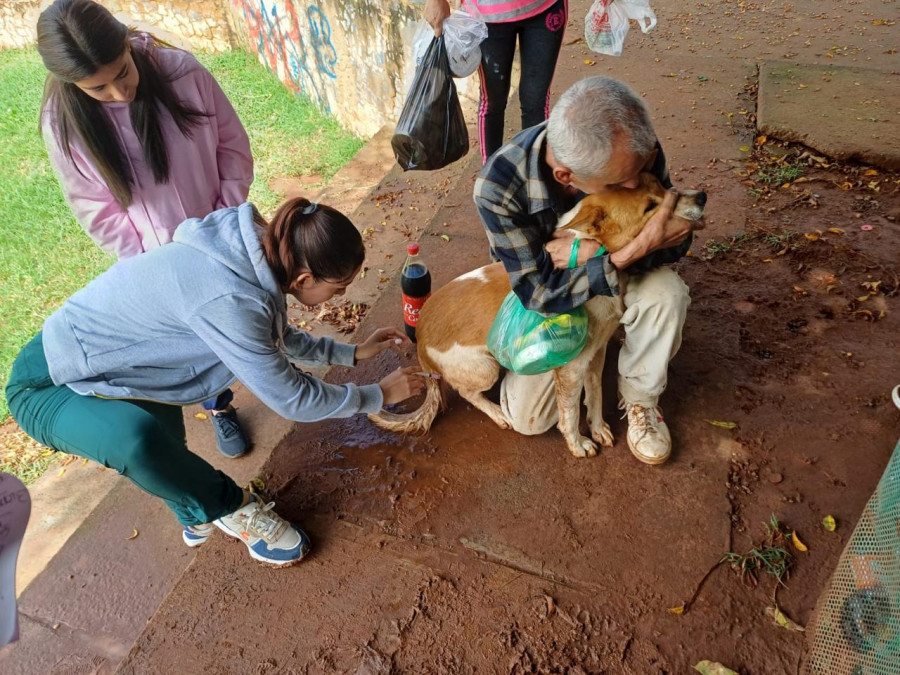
column 540, row 38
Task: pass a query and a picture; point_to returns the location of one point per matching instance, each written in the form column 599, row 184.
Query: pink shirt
column 503, row 11
column 210, row 170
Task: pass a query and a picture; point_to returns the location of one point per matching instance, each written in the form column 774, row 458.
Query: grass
column 44, row 254
column 770, row 557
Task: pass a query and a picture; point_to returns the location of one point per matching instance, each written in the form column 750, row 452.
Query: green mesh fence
column 857, row 624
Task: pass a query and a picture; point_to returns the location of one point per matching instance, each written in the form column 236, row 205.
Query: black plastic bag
column 432, row 131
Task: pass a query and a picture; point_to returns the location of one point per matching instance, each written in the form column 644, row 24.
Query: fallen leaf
column 676, row 610
column 862, row 298
column 811, row 237
column 588, row 62
column 256, row 485
column 782, row 620
column 870, row 172
column 445, row 237
column 724, row 425
column 551, row 606
column 744, row 148
column 713, row 668
column 829, row 523
column 134, row 534
column 799, row 545
column 200, row 416
column 835, row 230
column 760, row 140
column 767, row 260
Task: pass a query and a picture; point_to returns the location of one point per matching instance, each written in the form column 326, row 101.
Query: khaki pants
column 655, row 308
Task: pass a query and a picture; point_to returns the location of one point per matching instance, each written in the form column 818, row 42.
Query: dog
column 454, row 323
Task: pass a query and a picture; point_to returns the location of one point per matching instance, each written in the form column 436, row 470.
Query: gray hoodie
column 179, row 324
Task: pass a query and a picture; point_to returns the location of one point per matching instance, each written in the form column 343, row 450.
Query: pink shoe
column 15, row 508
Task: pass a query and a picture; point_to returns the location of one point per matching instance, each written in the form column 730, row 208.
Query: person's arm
column 436, row 11
column 233, row 155
column 238, row 329
column 94, row 206
column 517, row 242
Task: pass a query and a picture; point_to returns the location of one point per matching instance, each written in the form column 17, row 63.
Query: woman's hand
column 401, row 384
column 560, row 249
column 381, row 339
column 435, row 13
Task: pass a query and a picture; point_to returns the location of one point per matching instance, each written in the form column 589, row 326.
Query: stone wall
column 17, row 21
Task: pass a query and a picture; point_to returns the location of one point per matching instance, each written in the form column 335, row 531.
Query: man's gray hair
column 589, row 116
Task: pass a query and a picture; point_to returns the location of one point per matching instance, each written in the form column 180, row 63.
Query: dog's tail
column 417, row 421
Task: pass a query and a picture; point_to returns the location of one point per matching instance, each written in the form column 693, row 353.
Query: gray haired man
column 599, row 138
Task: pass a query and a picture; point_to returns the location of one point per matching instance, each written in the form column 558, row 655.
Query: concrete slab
column 848, row 114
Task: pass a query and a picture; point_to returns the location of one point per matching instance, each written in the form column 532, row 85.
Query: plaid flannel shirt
column 520, row 213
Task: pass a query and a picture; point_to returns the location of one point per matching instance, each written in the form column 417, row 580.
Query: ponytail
column 307, row 236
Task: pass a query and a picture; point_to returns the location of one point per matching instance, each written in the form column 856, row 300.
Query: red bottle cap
column 412, row 248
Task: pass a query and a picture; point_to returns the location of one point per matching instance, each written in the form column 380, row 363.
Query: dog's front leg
column 593, row 399
column 569, row 382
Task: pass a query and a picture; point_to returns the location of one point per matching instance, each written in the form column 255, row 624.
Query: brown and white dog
column 453, row 326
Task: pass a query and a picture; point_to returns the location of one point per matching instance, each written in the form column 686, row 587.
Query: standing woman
column 106, row 376
column 141, row 137
column 538, row 25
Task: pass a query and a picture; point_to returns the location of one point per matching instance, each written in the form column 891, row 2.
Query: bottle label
column 411, row 308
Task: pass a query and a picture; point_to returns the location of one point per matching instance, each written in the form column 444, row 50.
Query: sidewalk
column 476, row 550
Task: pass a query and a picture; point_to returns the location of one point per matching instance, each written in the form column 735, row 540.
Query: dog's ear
column 589, row 219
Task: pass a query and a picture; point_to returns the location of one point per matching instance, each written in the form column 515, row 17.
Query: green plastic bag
column 528, row 343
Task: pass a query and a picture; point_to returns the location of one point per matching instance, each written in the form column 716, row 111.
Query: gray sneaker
column 230, row 437
column 269, row 537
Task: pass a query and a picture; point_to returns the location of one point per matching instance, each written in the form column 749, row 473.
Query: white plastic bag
column 640, row 11
column 606, row 24
column 463, row 33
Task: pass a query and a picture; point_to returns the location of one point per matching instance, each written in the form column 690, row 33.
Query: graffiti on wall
column 300, row 53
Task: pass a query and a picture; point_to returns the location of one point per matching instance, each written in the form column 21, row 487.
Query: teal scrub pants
column 142, row 440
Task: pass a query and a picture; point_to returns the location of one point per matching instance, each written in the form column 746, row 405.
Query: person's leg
column 230, row 438
column 540, row 39
column 497, row 53
column 145, row 441
column 529, row 402
column 656, row 305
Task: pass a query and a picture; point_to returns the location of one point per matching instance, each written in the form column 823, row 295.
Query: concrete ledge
column 848, row 114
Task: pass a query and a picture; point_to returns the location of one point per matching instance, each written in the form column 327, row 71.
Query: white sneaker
column 648, row 435
column 269, row 537
column 194, row 535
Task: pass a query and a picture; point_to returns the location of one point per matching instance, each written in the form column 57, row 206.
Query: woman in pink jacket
column 141, row 137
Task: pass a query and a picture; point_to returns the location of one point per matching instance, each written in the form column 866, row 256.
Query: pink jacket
column 210, row 170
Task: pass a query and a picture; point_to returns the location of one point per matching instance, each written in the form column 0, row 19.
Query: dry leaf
column 724, row 425
column 134, row 534
column 829, row 523
column 760, row 140
column 835, row 230
column 811, row 237
column 676, row 610
column 588, row 62
column 870, row 172
column 200, row 416
column 256, row 485
column 445, row 237
column 713, row 668
column 744, row 148
column 799, row 545
column 767, row 260
column 782, row 620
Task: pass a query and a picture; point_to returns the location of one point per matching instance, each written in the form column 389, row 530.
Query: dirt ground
column 473, row 549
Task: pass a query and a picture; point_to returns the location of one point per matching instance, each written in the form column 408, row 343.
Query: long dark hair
column 75, row 38
column 302, row 235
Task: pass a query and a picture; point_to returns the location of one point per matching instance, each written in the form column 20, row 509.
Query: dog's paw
column 501, row 421
column 583, row 447
column 603, row 435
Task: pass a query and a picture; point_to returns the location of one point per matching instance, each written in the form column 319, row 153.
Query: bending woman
column 141, row 138
column 106, row 376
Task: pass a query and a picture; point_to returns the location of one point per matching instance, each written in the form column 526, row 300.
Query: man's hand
column 435, row 13
column 381, row 339
column 663, row 230
column 560, row 249
column 401, row 384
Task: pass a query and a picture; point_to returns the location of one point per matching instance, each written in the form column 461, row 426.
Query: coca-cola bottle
column 415, row 284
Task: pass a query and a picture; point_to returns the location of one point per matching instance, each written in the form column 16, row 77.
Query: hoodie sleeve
column 304, row 348
column 240, row 331
column 94, row 206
